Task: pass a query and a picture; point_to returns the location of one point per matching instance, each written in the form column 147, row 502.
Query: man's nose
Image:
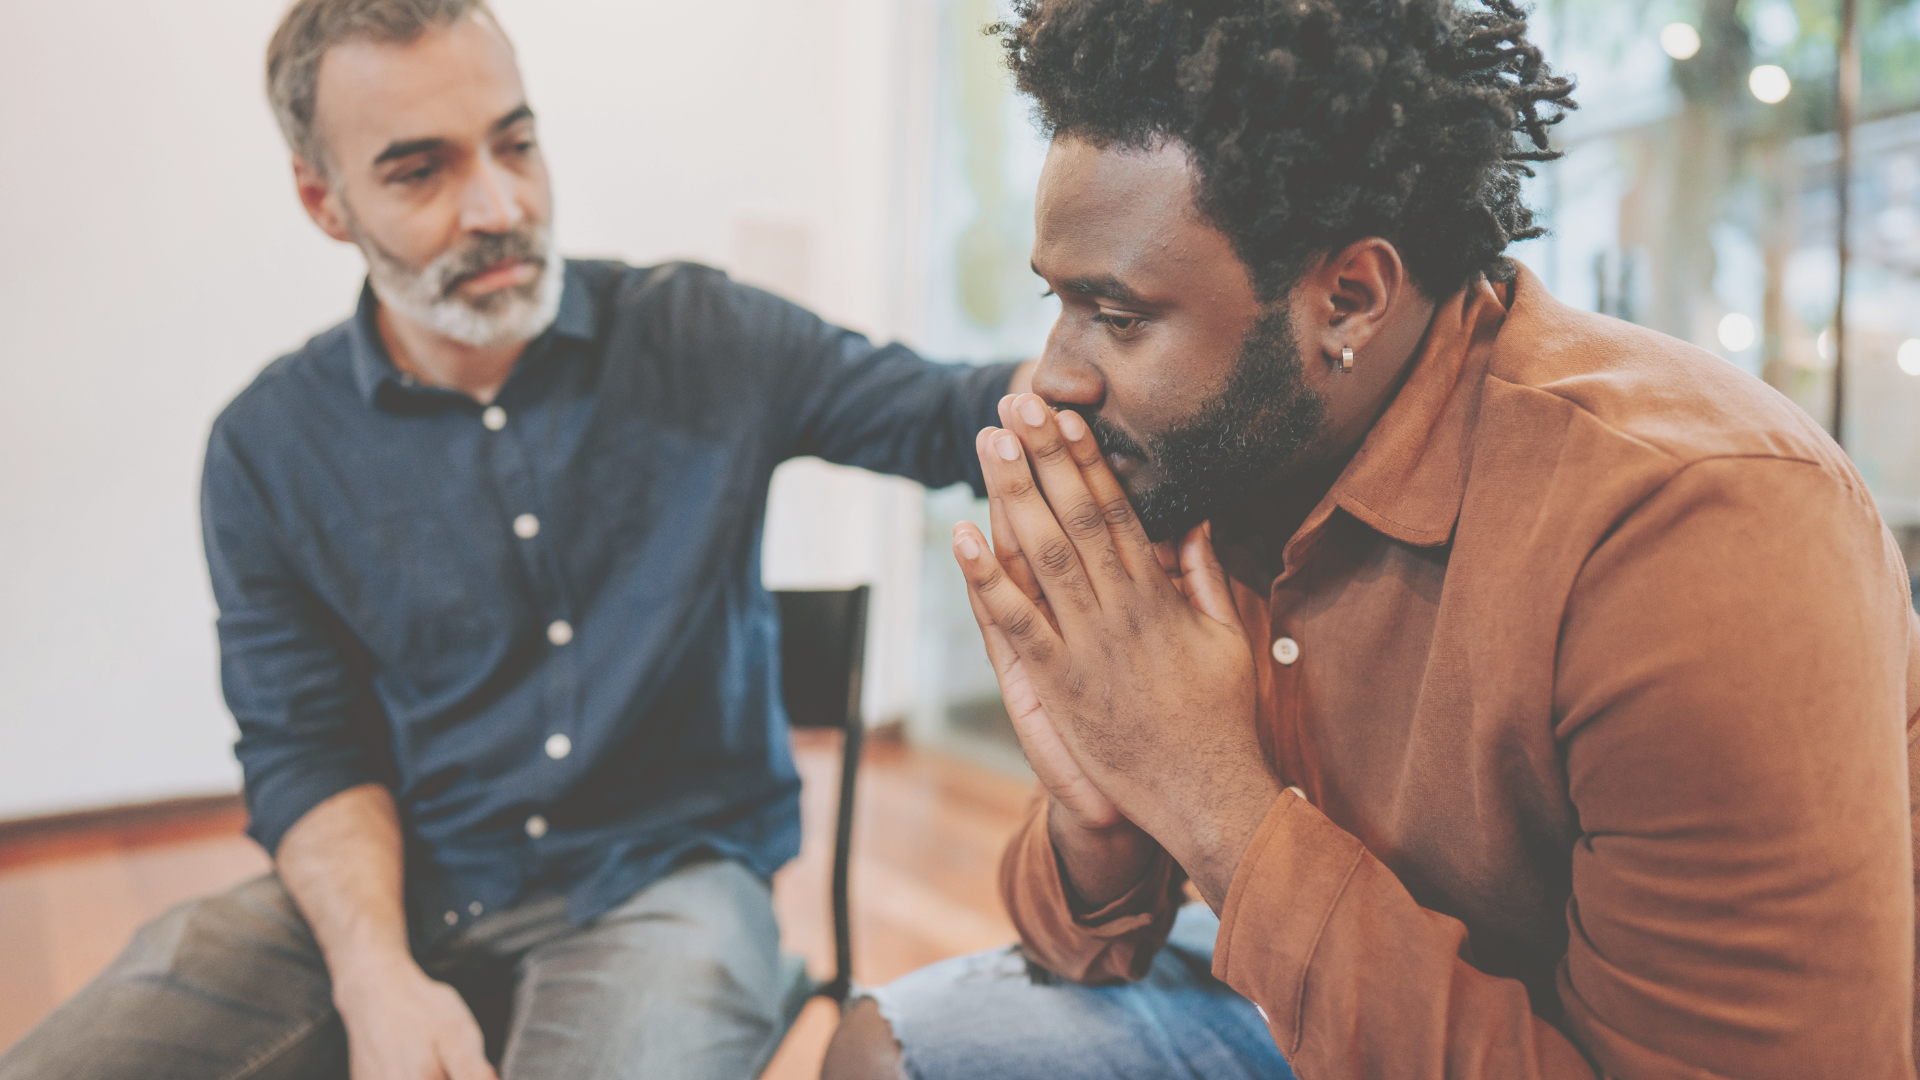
column 487, row 203
column 1063, row 379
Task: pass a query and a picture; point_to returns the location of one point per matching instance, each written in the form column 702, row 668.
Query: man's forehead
column 1113, row 209
column 450, row 83
column 1083, row 176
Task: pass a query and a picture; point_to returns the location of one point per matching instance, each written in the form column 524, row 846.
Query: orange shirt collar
column 1408, row 478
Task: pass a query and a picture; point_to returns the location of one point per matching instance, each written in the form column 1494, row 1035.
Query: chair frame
column 853, row 735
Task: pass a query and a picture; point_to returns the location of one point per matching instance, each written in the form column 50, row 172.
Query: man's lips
column 504, row 274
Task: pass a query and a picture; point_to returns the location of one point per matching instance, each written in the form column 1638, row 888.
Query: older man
column 487, row 561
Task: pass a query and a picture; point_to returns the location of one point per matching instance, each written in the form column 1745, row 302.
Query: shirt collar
column 1409, row 476
column 373, row 368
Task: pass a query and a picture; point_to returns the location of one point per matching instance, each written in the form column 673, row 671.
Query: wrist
column 1213, row 845
column 1098, row 864
column 364, row 975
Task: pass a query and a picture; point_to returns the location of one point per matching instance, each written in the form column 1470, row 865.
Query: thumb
column 1206, row 580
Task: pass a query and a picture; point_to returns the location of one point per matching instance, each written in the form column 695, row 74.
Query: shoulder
column 288, row 392
column 688, row 314
column 1623, row 391
column 663, row 290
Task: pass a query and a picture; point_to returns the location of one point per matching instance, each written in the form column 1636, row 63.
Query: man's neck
column 1262, row 524
column 438, row 360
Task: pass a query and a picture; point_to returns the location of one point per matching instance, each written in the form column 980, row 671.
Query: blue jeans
column 997, row 1014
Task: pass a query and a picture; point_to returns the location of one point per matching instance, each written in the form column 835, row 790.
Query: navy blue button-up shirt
column 419, row 592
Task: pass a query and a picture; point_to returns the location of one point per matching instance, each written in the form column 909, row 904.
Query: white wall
column 152, row 258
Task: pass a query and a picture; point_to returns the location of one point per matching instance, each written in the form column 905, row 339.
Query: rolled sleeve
column 1115, row 943
column 299, row 687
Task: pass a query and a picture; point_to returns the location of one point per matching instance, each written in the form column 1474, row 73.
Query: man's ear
column 1350, row 293
column 320, row 200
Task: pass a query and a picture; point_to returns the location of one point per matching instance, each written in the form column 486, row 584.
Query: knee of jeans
column 211, row 930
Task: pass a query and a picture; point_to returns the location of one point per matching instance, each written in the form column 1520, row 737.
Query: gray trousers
column 683, row 980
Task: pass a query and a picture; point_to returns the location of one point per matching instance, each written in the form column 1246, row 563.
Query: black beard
column 1264, row 421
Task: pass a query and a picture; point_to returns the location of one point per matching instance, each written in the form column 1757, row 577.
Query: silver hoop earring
column 1346, row 358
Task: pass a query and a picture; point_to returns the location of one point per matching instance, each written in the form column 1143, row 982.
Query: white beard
column 425, row 296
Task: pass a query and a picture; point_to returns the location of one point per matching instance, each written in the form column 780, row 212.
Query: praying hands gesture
column 1124, row 666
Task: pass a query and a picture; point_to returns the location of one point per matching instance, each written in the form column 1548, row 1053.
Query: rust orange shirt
column 1597, row 668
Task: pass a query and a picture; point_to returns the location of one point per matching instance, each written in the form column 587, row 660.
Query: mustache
column 1109, row 438
column 480, row 254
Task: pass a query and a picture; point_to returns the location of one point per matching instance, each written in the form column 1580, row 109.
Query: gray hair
column 311, row 27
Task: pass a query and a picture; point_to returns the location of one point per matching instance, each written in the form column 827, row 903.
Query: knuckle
column 1118, row 511
column 1049, row 450
column 1086, row 519
column 1018, row 486
column 989, row 580
column 1054, row 557
column 1020, row 625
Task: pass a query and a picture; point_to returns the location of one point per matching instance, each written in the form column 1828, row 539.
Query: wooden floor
column 927, row 844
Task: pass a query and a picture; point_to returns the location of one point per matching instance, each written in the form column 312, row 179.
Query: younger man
column 1527, row 693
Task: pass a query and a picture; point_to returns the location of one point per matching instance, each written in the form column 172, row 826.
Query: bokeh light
column 1736, row 333
column 1680, row 40
column 1770, row 84
column 1909, row 356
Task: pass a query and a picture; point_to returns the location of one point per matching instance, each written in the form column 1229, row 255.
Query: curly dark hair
column 1313, row 123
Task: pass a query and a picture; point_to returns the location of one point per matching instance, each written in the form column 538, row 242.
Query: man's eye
column 1120, row 323
column 415, row 176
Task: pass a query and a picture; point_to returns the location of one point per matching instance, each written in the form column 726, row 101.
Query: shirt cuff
column 1131, row 910
column 1285, row 888
column 275, row 804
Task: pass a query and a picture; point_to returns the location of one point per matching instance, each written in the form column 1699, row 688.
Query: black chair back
column 823, row 646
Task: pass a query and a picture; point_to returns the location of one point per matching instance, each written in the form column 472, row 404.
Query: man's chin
column 1165, row 514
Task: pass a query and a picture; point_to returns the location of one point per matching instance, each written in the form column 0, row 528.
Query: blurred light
column 1824, row 345
column 1776, row 25
column 1909, row 356
column 1736, row 332
column 1769, row 83
column 1680, row 40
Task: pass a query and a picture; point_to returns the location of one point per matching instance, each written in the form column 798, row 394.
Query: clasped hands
column 1123, row 663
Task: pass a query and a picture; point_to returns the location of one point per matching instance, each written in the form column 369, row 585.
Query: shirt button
column 559, row 631
column 1286, row 650
column 526, row 526
column 452, row 917
column 494, row 417
column 475, row 909
column 559, row 746
column 536, row 826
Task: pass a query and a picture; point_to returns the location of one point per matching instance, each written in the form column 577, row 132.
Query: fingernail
column 1072, row 426
column 1033, row 412
column 1007, row 447
column 963, row 543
